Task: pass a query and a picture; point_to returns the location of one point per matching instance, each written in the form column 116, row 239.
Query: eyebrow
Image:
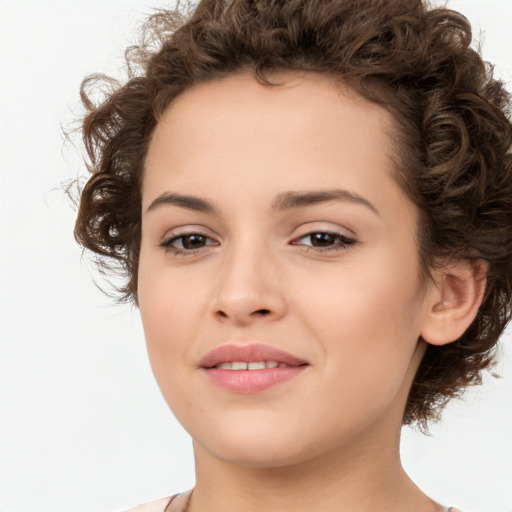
column 284, row 201
column 190, row 202
column 288, row 200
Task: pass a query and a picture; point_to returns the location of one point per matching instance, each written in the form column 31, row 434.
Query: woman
column 310, row 201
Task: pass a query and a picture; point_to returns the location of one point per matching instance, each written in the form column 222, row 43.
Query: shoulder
column 153, row 506
column 176, row 503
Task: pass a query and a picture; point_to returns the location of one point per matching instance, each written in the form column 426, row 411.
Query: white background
column 82, row 424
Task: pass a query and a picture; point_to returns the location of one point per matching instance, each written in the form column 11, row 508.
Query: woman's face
column 270, row 217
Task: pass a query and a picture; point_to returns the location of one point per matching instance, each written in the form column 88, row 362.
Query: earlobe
column 453, row 302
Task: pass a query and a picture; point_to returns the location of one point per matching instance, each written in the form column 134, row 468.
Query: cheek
column 366, row 318
column 171, row 307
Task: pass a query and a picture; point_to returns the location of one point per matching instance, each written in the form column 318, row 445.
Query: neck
column 363, row 478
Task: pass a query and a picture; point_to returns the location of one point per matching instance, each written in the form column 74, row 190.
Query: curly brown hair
column 453, row 136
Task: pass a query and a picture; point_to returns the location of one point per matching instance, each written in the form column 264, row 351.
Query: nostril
column 242, row 314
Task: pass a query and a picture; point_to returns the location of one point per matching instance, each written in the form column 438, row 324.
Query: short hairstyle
column 452, row 142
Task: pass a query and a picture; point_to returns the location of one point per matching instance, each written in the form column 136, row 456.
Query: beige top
column 179, row 502
column 176, row 503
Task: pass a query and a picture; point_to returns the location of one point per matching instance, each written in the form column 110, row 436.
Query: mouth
column 255, row 355
column 250, row 368
column 252, row 365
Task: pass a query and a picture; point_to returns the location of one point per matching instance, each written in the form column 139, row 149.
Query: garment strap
column 178, row 502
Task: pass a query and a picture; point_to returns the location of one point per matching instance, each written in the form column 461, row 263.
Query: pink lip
column 248, row 353
column 250, row 381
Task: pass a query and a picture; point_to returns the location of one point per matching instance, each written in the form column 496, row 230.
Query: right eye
column 187, row 243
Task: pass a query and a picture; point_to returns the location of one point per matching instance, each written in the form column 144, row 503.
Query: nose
column 249, row 288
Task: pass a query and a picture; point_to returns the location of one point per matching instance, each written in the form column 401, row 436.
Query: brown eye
column 187, row 242
column 192, row 241
column 325, row 241
column 322, row 239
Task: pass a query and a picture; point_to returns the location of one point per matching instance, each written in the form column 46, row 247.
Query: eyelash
column 344, row 243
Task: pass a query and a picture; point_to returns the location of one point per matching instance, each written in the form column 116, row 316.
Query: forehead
column 296, row 100
column 235, row 135
column 239, row 116
column 310, row 91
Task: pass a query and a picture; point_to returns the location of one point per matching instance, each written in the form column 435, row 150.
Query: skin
column 328, row 439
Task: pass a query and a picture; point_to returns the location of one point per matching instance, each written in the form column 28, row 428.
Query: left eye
column 325, row 240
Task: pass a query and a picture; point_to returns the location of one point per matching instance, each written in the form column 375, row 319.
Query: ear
column 453, row 301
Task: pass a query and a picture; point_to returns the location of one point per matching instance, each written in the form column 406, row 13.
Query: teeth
column 259, row 365
column 253, row 365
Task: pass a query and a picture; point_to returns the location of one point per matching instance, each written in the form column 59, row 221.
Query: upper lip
column 248, row 353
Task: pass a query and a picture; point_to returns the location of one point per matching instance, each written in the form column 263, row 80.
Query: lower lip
column 252, row 381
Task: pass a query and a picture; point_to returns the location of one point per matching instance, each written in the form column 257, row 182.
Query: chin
column 257, row 455
column 259, row 445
